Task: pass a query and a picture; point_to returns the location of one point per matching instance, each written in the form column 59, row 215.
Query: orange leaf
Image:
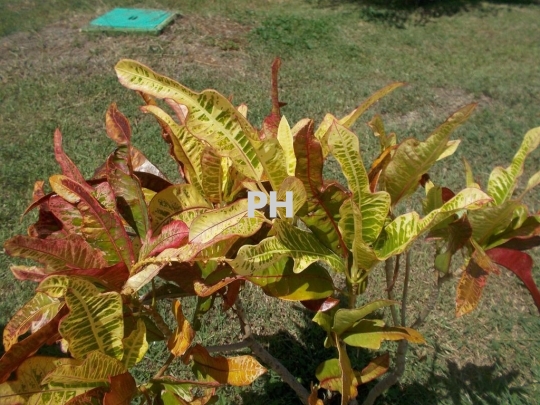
column 469, row 289
column 117, row 126
column 181, row 339
column 348, row 378
column 238, row 371
column 123, row 389
column 313, row 399
column 374, row 369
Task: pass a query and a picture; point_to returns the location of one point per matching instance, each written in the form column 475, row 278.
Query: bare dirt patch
column 63, row 49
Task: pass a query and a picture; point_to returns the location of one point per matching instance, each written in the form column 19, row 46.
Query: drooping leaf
column 40, row 310
column 122, row 389
column 469, row 289
column 112, row 277
column 280, row 281
column 238, row 371
column 93, row 371
column 32, row 273
column 135, row 345
column 186, row 148
column 174, row 200
column 376, row 367
column 289, row 241
column 370, row 333
column 502, row 182
column 413, row 158
column 127, row 191
column 69, row 169
column 491, row 220
column 456, row 235
column 348, row 379
column 103, row 229
column 95, row 320
column 72, row 252
column 211, row 118
column 321, row 305
column 521, row 265
column 386, row 141
column 181, row 339
column 172, row 235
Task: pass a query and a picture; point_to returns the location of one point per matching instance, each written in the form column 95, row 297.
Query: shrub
column 100, row 242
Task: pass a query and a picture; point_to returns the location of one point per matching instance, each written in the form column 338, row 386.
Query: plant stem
column 388, row 268
column 405, row 288
column 162, row 370
column 432, row 301
column 229, row 348
column 266, row 357
column 391, row 378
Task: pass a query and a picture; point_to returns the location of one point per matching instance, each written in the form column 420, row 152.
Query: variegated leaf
column 135, row 345
column 181, row 339
column 370, row 333
column 285, row 138
column 502, row 182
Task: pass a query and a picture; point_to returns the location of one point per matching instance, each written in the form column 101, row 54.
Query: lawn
column 335, row 53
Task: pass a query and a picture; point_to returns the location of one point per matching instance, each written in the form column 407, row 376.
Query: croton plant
column 111, row 247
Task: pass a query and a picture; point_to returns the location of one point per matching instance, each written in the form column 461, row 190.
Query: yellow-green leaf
column 94, row 371
column 135, row 345
column 94, row 322
column 370, row 333
column 492, row 219
column 502, row 182
column 238, row 371
column 224, row 222
column 346, row 318
column 36, row 312
column 296, row 186
column 285, row 139
column 214, row 175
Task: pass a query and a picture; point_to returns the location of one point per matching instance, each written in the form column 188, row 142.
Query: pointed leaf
column 376, row 367
column 273, row 161
column 101, row 228
column 413, row 158
column 469, row 289
column 40, row 310
column 68, row 167
column 521, row 265
column 135, row 345
column 211, row 118
column 346, row 318
column 32, row 273
column 117, row 126
column 173, row 235
column 72, row 252
column 181, row 339
column 502, row 182
column 285, row 139
column 238, row 371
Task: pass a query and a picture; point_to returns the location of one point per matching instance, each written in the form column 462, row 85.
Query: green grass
column 334, row 55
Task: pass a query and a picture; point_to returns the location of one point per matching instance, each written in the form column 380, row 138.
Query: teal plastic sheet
column 132, row 20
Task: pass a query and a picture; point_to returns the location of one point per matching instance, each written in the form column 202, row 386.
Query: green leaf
column 370, row 333
column 103, row 229
column 35, row 313
column 173, row 200
column 135, row 345
column 280, row 281
column 289, row 241
column 94, row 371
column 212, row 118
column 344, row 319
column 214, row 175
column 413, row 158
column 95, row 320
column 502, row 182
column 225, row 222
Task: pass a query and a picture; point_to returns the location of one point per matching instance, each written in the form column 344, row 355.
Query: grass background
column 335, row 53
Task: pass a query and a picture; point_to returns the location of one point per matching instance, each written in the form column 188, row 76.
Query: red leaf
column 271, row 122
column 322, row 305
column 117, row 126
column 27, row 347
column 520, row 264
column 68, row 167
column 32, row 273
column 522, row 243
column 114, row 276
column 123, row 389
column 66, row 213
column 72, row 252
column 182, row 274
column 447, row 194
column 172, row 235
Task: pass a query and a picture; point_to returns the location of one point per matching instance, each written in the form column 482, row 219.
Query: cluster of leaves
column 101, row 242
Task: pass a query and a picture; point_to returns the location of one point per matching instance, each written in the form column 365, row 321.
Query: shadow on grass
column 449, row 385
column 399, row 13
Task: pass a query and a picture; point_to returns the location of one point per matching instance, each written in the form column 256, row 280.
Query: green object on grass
column 132, row 20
